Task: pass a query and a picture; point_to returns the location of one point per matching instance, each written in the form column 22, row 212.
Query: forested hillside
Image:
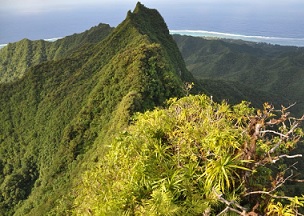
column 56, row 119
column 267, row 70
column 17, row 58
column 73, row 141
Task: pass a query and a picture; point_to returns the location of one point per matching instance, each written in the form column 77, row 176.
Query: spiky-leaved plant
column 194, row 157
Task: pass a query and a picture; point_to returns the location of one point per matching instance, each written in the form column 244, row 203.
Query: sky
column 41, row 19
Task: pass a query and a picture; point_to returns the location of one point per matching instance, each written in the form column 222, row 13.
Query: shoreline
column 2, row 45
column 48, row 40
column 297, row 42
column 210, row 35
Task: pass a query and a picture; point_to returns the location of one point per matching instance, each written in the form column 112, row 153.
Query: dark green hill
column 234, row 92
column 56, row 119
column 271, row 70
column 16, row 58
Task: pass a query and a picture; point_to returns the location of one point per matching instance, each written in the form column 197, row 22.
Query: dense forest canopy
column 98, row 123
column 56, row 118
column 251, row 71
column 17, row 58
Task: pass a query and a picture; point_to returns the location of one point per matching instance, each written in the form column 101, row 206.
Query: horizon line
column 283, row 41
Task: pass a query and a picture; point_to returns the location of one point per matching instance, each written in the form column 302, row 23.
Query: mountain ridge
column 16, row 58
column 61, row 112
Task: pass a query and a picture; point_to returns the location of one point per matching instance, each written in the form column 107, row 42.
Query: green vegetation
column 70, row 144
column 235, row 92
column 196, row 157
column 57, row 117
column 17, row 58
column 272, row 72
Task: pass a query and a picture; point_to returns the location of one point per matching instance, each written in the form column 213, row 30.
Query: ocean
column 299, row 42
column 275, row 22
column 268, row 21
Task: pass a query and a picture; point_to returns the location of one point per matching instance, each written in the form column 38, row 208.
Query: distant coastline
column 49, row 40
column 2, row 45
column 298, row 42
column 53, row 39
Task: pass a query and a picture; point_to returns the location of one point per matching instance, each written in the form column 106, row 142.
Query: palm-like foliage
column 223, row 172
column 177, row 161
column 279, row 209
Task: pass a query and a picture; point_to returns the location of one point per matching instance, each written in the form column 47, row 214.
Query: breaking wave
column 2, row 45
column 53, row 39
column 49, row 40
column 299, row 42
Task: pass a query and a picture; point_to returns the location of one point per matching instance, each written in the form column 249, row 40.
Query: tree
column 197, row 157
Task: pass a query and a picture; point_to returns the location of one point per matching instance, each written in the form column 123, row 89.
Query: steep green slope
column 274, row 70
column 57, row 118
column 16, row 58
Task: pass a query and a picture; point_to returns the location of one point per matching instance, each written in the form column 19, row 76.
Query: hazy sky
column 42, row 6
column 53, row 18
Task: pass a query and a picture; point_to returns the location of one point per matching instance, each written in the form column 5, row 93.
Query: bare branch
column 275, row 147
column 274, row 132
column 224, row 211
column 270, row 159
column 274, row 189
column 290, row 156
column 287, row 108
column 297, row 180
column 269, row 194
column 274, row 160
column 242, row 210
column 301, row 119
column 287, row 134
